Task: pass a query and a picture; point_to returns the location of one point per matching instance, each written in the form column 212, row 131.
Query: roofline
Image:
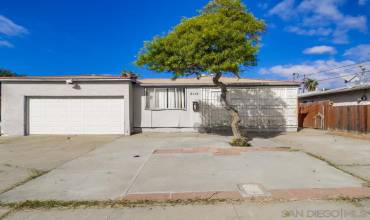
column 212, row 85
column 333, row 91
column 140, row 82
column 20, row 79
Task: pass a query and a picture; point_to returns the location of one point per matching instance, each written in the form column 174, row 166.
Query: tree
column 222, row 39
column 310, row 84
column 6, row 73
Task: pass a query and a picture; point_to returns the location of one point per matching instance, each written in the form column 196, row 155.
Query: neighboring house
column 344, row 109
column 122, row 105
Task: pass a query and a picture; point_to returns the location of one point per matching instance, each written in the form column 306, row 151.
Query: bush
column 240, row 142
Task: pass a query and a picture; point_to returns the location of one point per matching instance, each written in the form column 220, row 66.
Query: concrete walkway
column 128, row 166
column 237, row 211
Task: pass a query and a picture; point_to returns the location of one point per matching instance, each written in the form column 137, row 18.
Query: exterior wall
column 159, row 119
column 345, row 98
column 14, row 94
column 261, row 108
column 267, row 108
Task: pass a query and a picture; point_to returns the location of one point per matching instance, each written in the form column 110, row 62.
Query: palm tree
column 310, row 84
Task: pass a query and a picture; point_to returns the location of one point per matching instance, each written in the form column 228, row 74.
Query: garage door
column 76, row 116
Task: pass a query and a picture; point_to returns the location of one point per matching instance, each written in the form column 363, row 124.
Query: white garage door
column 76, row 115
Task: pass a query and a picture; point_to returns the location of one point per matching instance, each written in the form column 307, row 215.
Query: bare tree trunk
column 235, row 118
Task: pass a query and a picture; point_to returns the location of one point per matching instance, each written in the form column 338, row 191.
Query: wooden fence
column 323, row 115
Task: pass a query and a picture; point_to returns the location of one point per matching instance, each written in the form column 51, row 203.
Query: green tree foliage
column 310, row 84
column 6, row 73
column 223, row 38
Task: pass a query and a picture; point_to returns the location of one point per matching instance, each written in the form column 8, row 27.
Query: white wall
column 268, row 108
column 13, row 106
column 166, row 118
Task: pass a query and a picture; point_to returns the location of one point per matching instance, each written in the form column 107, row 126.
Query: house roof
column 207, row 81
column 334, row 91
column 64, row 78
column 202, row 81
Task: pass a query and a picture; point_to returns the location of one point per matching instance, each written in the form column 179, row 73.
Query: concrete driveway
column 349, row 154
column 22, row 158
column 157, row 166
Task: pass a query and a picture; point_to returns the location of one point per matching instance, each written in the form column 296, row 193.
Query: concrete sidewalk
column 236, row 211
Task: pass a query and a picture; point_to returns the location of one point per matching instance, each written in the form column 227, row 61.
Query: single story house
column 343, row 109
column 122, row 105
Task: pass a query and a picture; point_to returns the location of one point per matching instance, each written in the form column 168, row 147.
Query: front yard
column 162, row 167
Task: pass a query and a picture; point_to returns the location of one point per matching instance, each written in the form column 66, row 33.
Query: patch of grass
column 353, row 201
column 49, row 204
column 240, row 142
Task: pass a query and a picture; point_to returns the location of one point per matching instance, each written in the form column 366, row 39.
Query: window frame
column 164, row 109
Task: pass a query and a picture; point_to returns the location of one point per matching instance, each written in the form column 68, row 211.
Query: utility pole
column 303, row 86
column 295, row 77
column 363, row 75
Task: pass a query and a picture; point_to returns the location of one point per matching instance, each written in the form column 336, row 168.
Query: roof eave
column 63, row 80
column 334, row 91
column 213, row 85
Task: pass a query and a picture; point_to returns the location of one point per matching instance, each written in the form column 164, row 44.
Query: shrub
column 240, row 142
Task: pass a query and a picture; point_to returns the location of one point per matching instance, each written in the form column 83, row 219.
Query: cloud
column 362, row 2
column 320, row 18
column 348, row 23
column 285, row 9
column 10, row 28
column 320, row 50
column 360, row 52
column 4, row 43
column 309, row 32
column 315, row 70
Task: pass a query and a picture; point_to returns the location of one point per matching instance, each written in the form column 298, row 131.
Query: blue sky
column 64, row 37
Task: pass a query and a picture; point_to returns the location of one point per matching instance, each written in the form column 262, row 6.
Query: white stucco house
column 123, row 105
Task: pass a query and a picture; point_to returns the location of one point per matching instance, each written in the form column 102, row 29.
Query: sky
column 68, row 37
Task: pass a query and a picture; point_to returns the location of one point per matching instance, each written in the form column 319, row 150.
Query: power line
column 337, row 77
column 353, row 74
column 338, row 67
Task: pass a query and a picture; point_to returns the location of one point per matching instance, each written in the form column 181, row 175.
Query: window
column 165, row 98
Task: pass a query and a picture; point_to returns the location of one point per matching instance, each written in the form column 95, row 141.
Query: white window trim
column 165, row 109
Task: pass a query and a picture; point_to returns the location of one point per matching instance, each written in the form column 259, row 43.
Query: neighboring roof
column 334, row 91
column 64, row 78
column 207, row 81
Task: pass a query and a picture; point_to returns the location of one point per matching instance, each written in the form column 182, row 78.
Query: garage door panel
column 76, row 116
